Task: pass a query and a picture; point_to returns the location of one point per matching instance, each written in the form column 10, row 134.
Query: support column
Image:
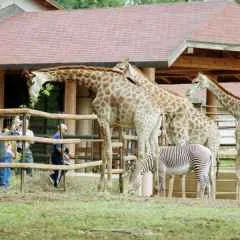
column 84, row 106
column 212, row 103
column 147, row 181
column 211, row 109
column 149, row 73
column 1, row 95
column 84, row 127
column 70, row 107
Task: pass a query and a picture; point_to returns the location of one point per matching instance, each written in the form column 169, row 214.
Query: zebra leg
column 170, row 185
column 183, row 182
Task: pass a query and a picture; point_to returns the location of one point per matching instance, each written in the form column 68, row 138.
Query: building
column 170, row 42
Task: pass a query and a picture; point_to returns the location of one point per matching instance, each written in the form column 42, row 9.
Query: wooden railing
column 30, row 112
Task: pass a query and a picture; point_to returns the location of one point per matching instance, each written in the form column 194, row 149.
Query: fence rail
column 36, row 113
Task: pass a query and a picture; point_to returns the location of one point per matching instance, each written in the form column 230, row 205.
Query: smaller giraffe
column 230, row 102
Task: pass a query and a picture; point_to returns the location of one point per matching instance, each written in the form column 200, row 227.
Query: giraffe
column 179, row 113
column 117, row 101
column 230, row 102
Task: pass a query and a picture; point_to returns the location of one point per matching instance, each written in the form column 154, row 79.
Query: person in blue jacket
column 57, row 155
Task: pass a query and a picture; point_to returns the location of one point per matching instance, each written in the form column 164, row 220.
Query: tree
column 75, row 4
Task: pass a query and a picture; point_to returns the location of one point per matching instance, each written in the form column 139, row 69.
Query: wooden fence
column 30, row 112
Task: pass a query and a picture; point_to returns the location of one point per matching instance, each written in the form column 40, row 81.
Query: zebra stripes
column 178, row 160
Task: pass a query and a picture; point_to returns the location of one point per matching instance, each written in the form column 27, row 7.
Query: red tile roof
column 147, row 34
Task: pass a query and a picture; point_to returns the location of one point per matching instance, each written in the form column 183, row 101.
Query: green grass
column 82, row 213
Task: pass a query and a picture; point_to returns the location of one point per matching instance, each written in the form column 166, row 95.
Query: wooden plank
column 46, row 140
column 1, row 94
column 51, row 166
column 130, row 137
column 130, row 158
column 117, row 144
column 117, row 171
column 208, row 63
column 36, row 113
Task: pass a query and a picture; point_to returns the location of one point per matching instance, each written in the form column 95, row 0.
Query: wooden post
column 149, row 73
column 84, row 127
column 70, row 107
column 211, row 105
column 64, row 181
column 1, row 95
column 24, row 130
column 147, row 180
column 183, row 182
column 170, row 185
column 238, row 160
column 22, row 179
column 211, row 109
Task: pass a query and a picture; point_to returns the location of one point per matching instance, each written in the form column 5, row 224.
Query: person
column 5, row 173
column 59, row 155
column 28, row 156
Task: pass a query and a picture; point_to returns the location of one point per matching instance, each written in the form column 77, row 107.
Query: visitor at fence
column 6, row 157
column 28, row 156
column 59, row 156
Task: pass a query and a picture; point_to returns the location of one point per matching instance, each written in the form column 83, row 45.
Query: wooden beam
column 36, row 113
column 150, row 73
column 208, row 63
column 42, row 166
column 165, row 79
column 70, row 107
column 1, row 95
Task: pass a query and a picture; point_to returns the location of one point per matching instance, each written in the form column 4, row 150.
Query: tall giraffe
column 117, row 101
column 230, row 102
column 180, row 114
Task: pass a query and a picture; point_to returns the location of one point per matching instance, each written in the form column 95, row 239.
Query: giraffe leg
column 162, row 179
column 101, row 185
column 213, row 177
column 156, row 151
column 183, row 182
column 238, row 178
column 135, row 184
column 170, row 185
column 238, row 161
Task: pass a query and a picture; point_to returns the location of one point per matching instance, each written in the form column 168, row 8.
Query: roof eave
column 177, row 52
column 54, row 4
column 213, row 46
column 157, row 64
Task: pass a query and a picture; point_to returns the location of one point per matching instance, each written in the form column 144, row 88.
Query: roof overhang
column 157, row 64
column 51, row 3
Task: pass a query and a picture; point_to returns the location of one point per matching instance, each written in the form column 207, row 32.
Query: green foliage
column 46, row 90
column 75, row 4
column 138, row 2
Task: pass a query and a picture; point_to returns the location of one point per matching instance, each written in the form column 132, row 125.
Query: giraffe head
column 200, row 82
column 131, row 72
column 35, row 81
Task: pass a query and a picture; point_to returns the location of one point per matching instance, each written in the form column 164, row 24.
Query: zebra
column 179, row 160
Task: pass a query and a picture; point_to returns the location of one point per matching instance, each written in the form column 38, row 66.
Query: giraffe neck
column 227, row 100
column 86, row 76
